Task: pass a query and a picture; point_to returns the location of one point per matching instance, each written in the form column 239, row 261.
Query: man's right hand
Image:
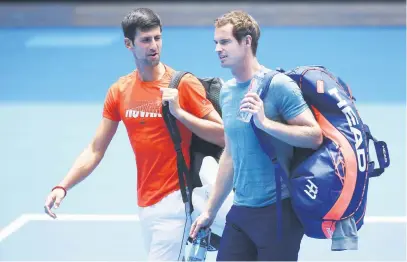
column 54, row 200
column 204, row 220
column 84, row 164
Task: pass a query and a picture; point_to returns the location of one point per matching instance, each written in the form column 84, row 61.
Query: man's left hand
column 253, row 104
column 170, row 95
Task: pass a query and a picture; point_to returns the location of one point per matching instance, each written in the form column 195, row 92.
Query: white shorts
column 166, row 225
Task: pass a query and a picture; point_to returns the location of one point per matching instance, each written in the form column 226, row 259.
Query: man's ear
column 248, row 40
column 128, row 43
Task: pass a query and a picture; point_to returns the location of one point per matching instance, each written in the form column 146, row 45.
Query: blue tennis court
column 53, row 83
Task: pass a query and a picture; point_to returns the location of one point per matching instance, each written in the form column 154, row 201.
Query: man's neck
column 246, row 70
column 151, row 73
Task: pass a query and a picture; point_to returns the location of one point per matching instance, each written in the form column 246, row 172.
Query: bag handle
column 382, row 154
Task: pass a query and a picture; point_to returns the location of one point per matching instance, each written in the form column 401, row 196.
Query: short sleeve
column 111, row 104
column 192, row 97
column 287, row 97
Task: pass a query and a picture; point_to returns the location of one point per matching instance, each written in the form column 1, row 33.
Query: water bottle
column 200, row 246
column 255, row 87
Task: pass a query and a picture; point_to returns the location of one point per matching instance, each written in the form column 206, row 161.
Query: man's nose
column 218, row 48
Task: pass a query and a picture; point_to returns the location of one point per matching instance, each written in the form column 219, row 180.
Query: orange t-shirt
column 139, row 105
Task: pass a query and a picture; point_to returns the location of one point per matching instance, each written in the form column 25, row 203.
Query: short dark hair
column 143, row 19
column 243, row 25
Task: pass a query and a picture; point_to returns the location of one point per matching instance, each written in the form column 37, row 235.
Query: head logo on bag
column 331, row 183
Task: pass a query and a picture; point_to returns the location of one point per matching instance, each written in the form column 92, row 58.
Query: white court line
column 113, row 217
column 25, row 218
column 13, row 227
column 83, row 217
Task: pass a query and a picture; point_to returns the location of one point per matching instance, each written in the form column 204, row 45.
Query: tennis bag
column 331, row 183
column 199, row 148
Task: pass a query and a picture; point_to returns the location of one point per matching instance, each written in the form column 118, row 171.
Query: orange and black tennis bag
column 331, row 183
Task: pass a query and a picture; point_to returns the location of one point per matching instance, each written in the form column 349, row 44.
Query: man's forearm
column 223, row 184
column 298, row 136
column 83, row 166
column 208, row 130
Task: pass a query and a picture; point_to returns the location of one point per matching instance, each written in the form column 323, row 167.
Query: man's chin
column 224, row 65
column 153, row 63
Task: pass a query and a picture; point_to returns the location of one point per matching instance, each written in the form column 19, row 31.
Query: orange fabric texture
column 139, row 105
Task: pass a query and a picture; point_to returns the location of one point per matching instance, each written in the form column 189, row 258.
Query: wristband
column 60, row 187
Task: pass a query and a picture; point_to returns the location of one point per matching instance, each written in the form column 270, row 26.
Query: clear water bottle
column 254, row 87
column 200, row 246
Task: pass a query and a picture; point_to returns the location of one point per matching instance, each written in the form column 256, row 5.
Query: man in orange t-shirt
column 136, row 99
column 157, row 174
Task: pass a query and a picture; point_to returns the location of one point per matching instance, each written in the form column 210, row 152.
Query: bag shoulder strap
column 182, row 169
column 176, row 78
column 269, row 148
column 266, row 82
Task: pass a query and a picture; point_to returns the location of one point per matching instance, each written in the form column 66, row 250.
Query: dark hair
column 143, row 19
column 243, row 25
